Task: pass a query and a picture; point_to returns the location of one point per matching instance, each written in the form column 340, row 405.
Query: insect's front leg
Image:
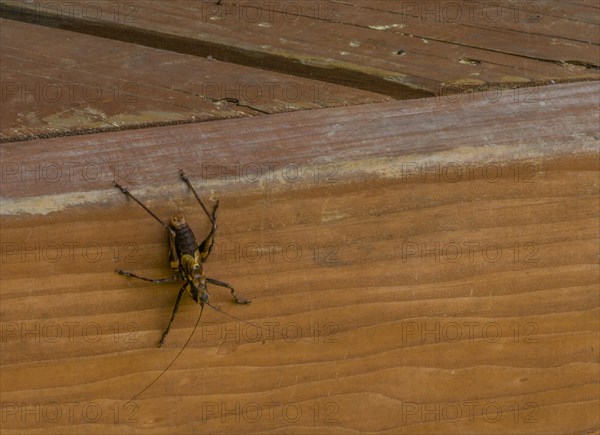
column 230, row 287
column 175, row 308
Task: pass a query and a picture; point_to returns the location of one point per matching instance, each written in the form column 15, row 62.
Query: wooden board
column 439, row 259
column 401, row 53
column 516, row 20
column 56, row 83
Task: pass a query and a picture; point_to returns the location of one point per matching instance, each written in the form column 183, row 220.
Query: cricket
column 187, row 257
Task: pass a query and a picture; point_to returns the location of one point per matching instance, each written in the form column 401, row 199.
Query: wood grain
column 426, row 303
column 401, row 53
column 56, row 83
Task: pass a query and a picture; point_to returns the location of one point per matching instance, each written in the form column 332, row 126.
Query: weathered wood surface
column 56, row 82
column 402, row 49
column 411, row 337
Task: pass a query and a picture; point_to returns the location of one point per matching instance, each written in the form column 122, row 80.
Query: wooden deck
column 411, row 204
column 107, row 85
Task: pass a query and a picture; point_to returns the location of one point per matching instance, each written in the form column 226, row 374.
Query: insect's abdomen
column 185, row 240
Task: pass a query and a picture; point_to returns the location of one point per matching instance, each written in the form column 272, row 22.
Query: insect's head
column 199, row 291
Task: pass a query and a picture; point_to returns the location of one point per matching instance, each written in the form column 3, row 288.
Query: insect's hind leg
column 155, row 281
column 128, row 194
column 230, row 287
column 205, row 247
column 189, row 184
column 175, row 308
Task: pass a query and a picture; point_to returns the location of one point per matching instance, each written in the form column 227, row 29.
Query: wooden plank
column 365, row 48
column 56, row 82
column 535, row 21
column 350, row 234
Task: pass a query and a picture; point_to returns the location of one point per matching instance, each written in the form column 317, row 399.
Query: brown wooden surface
column 56, row 82
column 378, row 47
column 528, row 319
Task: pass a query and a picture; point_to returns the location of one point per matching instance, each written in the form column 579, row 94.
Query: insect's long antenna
column 232, row 316
column 248, row 323
column 174, row 359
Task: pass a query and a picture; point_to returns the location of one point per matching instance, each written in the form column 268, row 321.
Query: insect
column 187, row 257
